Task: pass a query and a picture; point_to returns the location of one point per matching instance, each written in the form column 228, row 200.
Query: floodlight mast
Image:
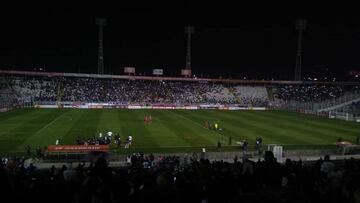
column 101, row 22
column 188, row 30
column 300, row 26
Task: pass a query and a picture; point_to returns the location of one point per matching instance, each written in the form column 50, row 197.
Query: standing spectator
column 327, row 166
column 245, row 146
column 203, row 152
column 270, row 171
column 258, row 144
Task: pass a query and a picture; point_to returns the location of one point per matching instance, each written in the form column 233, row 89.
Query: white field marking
column 69, row 117
column 198, row 124
column 189, row 146
column 183, row 146
column 192, row 146
column 52, row 122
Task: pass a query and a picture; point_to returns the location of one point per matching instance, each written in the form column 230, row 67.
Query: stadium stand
column 74, row 89
column 49, row 89
column 307, row 93
column 33, row 88
column 355, row 108
column 256, row 95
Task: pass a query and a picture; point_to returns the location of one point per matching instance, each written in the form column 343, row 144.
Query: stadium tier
column 48, row 88
column 79, row 89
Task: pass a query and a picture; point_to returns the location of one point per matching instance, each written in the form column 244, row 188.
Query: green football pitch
column 171, row 130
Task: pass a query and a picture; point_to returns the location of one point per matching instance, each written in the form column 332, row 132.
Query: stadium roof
column 131, row 77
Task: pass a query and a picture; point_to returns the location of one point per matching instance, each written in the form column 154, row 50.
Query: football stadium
column 183, row 114
column 133, row 130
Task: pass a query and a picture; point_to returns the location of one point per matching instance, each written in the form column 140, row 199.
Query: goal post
column 277, row 150
column 271, row 147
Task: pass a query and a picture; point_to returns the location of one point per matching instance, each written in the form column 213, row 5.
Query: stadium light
column 187, row 71
column 188, row 30
column 300, row 26
column 101, row 22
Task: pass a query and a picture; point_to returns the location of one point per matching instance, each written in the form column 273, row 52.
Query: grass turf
column 171, row 130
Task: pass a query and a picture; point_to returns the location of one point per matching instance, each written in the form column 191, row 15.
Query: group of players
column 212, row 126
column 244, row 143
column 117, row 139
column 147, row 119
column 106, row 138
column 103, row 139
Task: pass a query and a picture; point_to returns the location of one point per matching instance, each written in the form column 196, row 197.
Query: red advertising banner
column 78, row 148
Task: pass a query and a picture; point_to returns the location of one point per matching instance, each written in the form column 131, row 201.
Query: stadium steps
column 270, row 93
column 232, row 91
column 9, row 87
column 60, row 93
column 238, row 99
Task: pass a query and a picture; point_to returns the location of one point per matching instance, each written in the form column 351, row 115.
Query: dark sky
column 230, row 40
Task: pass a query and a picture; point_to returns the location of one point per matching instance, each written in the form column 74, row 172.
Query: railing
column 344, row 116
column 347, row 97
column 317, row 106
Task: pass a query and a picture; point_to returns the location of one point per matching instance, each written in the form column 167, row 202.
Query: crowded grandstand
column 54, row 89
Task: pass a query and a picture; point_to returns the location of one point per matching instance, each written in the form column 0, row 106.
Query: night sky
column 230, row 40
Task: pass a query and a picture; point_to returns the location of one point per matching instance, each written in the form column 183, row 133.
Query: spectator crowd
column 187, row 179
column 76, row 89
column 307, row 93
column 46, row 90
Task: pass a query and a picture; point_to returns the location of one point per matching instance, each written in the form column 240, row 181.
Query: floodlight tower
column 188, row 30
column 101, row 22
column 300, row 26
